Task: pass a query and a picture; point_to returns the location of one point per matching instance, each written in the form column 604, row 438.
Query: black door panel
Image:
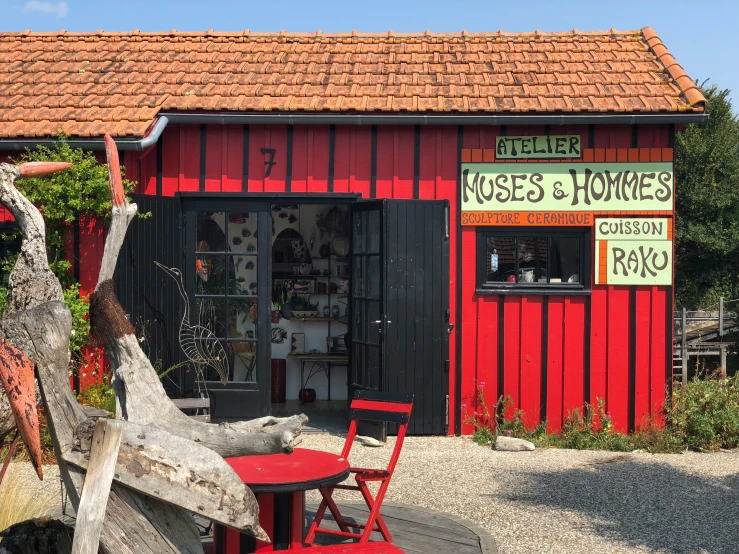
column 400, row 298
column 148, row 296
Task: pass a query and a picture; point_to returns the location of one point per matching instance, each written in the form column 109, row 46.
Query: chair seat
column 354, row 548
column 372, row 472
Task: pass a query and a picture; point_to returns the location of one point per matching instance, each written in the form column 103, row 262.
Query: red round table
column 279, row 482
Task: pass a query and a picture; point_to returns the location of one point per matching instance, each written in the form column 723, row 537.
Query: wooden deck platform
column 416, row 531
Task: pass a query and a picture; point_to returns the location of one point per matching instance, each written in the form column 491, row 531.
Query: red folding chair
column 366, row 406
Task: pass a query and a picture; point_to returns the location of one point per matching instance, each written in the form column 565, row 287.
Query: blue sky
column 703, row 36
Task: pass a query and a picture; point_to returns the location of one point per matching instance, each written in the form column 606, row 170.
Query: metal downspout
column 93, row 144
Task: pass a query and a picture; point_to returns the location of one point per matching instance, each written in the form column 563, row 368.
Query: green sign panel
column 549, row 146
column 633, row 262
column 567, row 187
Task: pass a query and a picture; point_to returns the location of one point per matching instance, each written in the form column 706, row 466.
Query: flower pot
column 307, row 396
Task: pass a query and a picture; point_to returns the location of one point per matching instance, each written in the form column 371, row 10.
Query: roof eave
column 234, row 118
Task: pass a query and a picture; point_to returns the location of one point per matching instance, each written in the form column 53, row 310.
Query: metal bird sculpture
column 200, row 344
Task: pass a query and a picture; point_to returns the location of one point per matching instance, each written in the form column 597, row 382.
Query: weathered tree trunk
column 142, row 399
column 39, row 324
column 7, row 423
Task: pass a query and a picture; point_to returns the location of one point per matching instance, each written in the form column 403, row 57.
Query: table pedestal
column 281, row 515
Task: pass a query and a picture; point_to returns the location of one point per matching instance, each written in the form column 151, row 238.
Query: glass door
column 228, row 285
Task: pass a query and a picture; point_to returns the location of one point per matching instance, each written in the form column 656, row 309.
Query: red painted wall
column 611, row 339
column 566, row 366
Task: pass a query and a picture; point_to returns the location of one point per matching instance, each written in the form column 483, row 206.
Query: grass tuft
column 18, row 501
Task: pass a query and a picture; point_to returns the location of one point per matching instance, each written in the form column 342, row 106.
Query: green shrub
column 481, row 417
column 704, row 413
column 100, row 395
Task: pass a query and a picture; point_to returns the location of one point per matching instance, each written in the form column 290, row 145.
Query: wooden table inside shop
column 323, row 361
column 279, row 482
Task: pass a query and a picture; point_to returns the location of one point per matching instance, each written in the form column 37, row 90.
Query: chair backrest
column 384, row 407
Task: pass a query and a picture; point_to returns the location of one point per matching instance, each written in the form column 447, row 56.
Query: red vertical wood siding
column 189, row 166
column 530, row 351
column 607, row 314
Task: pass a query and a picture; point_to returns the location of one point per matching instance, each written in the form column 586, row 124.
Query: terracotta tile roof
column 84, row 84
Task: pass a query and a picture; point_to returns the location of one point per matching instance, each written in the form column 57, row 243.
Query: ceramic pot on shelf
column 340, row 244
column 307, row 396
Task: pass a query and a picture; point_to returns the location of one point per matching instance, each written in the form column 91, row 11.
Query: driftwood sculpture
column 168, row 464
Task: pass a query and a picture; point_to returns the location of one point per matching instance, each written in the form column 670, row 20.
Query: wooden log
column 178, row 471
column 142, row 399
column 106, row 441
column 16, row 376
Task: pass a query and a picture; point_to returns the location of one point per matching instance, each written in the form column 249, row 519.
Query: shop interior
column 309, row 302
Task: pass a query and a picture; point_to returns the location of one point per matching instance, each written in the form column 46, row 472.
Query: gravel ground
column 566, row 501
column 560, row 501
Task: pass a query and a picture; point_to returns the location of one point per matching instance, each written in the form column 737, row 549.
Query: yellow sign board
column 633, row 262
column 549, row 146
column 633, row 228
column 490, row 189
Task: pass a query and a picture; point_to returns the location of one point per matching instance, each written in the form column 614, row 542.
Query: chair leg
column 329, row 503
column 334, row 509
column 374, row 505
column 316, row 522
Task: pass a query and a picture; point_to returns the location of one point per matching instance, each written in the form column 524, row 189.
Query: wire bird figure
column 200, row 344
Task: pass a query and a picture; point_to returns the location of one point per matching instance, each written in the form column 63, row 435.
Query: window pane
column 243, row 358
column 242, row 232
column 211, row 232
column 373, row 231
column 532, row 259
column 501, row 259
column 358, row 276
column 242, row 315
column 565, row 260
column 211, row 273
column 242, row 275
column 373, row 277
column 209, row 314
column 358, row 232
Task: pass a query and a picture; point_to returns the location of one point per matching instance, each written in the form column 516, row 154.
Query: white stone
column 511, row 444
column 369, row 441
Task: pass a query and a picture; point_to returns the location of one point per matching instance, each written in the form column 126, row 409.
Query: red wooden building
column 532, row 252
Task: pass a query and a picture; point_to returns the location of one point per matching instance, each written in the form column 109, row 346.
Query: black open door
column 228, row 283
column 400, row 307
column 147, row 294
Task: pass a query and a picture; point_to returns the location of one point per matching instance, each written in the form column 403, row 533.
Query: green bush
column 704, row 414
column 100, row 395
